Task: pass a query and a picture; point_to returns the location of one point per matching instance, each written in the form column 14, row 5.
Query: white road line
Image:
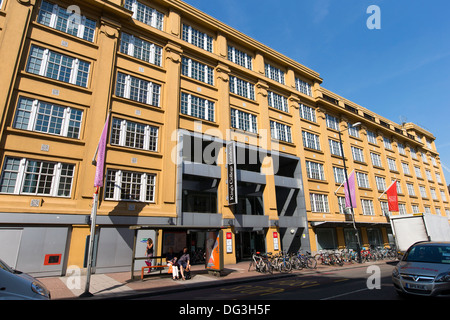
column 344, row 294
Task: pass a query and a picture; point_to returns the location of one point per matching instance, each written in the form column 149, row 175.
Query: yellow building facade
column 178, row 86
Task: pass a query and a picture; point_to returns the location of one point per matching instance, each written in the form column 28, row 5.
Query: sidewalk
column 117, row 285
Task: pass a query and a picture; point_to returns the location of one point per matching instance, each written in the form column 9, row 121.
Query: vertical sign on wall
column 231, row 173
column 275, row 241
column 229, row 242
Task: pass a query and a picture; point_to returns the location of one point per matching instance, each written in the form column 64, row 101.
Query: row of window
column 36, row 177
column 319, row 203
column 315, row 170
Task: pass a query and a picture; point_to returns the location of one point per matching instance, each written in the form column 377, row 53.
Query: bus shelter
column 204, row 241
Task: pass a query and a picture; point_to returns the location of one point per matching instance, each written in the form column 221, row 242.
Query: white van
column 16, row 285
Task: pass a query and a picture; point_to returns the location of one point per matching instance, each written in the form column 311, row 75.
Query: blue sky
column 401, row 71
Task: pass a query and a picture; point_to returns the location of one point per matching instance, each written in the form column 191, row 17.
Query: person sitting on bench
column 184, row 263
column 172, row 261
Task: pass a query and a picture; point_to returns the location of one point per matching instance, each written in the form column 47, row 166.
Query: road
column 362, row 283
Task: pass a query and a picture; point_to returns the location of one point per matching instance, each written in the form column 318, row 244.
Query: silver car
column 424, row 270
column 16, row 285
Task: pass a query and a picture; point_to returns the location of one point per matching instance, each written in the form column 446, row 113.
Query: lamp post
column 358, row 243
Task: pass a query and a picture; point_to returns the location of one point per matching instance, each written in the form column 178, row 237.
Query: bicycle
column 282, row 263
column 306, row 260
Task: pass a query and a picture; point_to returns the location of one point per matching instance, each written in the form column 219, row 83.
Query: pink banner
column 99, row 174
column 352, row 186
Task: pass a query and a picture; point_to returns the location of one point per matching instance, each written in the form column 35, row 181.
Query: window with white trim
column 424, row 158
column 438, row 211
column 418, row 172
column 332, row 122
column 371, row 137
column 197, row 107
column 433, row 161
column 384, row 208
column 415, row 208
column 40, row 116
column 314, row 170
column 405, row 168
column 335, row 147
column 381, row 183
column 36, row 177
column 53, row 16
column 358, row 154
column 145, row 14
column 367, row 207
column 402, row 208
column 197, row 70
column 130, row 186
column 428, row 174
column 131, row 134
column 413, row 153
column 50, row 64
column 243, row 121
column 242, row 88
column 197, row 38
column 376, row 159
column 410, row 188
column 140, row 49
column 274, row 73
column 280, row 131
column 443, row 195
column 427, row 210
column 433, row 194
column 311, row 140
column 342, row 208
column 339, row 174
column 277, row 101
column 423, row 192
column 392, row 164
column 438, row 177
column 387, row 143
column 303, row 87
column 319, row 202
column 362, row 179
column 399, row 186
column 401, row 148
column 136, row 89
column 307, row 113
column 353, row 131
column 239, row 57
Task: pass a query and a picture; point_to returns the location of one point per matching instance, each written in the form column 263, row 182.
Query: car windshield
column 430, row 254
column 4, row 266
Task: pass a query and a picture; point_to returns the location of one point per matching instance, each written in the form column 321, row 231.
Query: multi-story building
column 178, row 85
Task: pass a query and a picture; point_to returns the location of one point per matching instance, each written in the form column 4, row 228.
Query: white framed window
column 415, row 208
column 332, row 122
column 53, row 16
column 376, row 159
column 197, row 107
column 392, row 164
column 242, row 88
column 311, row 140
column 243, row 120
column 36, row 177
column 367, row 207
column 319, row 202
column 387, row 143
column 443, row 195
column 197, row 70
column 131, row 134
column 433, row 194
column 277, row 101
column 197, row 38
column 384, row 208
column 433, row 161
column 427, row 210
column 401, row 148
column 402, row 208
column 405, row 168
column 371, row 137
column 352, row 131
column 140, row 49
column 411, row 190
column 136, row 89
column 280, row 131
column 314, row 170
column 342, row 208
column 335, row 147
column 399, row 186
column 358, row 154
column 339, row 174
column 362, row 179
column 418, row 172
column 424, row 158
column 307, row 113
column 274, row 73
column 381, row 183
column 241, row 58
column 303, row 87
column 145, row 14
column 130, row 186
column 438, row 177
column 50, row 64
column 413, row 153
column 438, row 211
column 423, row 192
column 428, row 174
column 40, row 116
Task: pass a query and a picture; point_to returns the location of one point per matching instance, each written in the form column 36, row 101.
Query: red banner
column 392, row 197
